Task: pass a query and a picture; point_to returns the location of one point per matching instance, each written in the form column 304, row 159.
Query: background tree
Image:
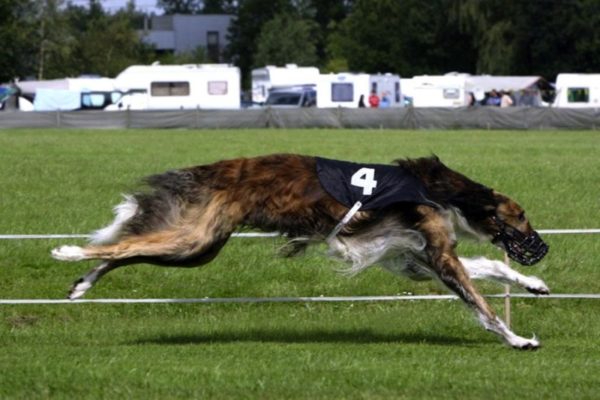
column 245, row 29
column 409, row 37
column 544, row 38
column 287, row 39
column 180, row 6
column 328, row 14
column 18, row 51
column 54, row 42
column 105, row 43
column 196, row 56
column 219, row 7
column 55, row 38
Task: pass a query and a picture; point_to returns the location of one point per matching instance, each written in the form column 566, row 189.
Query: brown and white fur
column 188, row 215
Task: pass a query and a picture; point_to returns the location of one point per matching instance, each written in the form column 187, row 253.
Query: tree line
column 47, row 39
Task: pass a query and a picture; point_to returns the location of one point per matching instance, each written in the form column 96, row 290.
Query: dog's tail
column 123, row 213
column 154, row 209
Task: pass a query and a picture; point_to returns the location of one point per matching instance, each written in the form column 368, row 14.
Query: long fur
column 184, row 217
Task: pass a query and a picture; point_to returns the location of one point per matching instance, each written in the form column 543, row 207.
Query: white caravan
column 577, row 90
column 455, row 89
column 439, row 90
column 272, row 77
column 348, row 89
column 175, row 87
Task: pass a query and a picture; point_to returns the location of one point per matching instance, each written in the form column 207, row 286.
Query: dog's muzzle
column 524, row 249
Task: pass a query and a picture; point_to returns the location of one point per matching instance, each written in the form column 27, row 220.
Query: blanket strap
column 344, row 220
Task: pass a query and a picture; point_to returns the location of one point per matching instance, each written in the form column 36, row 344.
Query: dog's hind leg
column 170, row 245
column 483, row 268
column 84, row 283
column 448, row 268
column 187, row 236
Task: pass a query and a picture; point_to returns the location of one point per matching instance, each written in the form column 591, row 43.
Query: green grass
column 67, row 181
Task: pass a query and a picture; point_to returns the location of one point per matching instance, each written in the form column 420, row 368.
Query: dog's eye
column 521, row 217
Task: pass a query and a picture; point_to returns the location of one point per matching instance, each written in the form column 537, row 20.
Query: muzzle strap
column 524, row 249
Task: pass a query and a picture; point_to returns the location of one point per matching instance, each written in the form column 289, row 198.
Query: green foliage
column 219, row 6
column 55, row 38
column 409, row 37
column 108, row 44
column 197, row 56
column 245, row 30
column 538, row 37
column 46, row 39
column 17, row 27
column 180, row 6
column 287, row 39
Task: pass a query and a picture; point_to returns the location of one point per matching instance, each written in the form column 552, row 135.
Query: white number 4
column 365, row 179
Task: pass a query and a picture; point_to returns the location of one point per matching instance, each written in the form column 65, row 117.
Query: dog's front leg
column 447, row 266
column 483, row 268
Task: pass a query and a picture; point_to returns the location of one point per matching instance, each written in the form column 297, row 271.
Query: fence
column 321, row 299
column 394, row 118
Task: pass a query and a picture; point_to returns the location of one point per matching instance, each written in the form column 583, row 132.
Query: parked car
column 292, row 97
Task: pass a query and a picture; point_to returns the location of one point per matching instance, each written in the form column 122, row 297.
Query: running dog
column 404, row 217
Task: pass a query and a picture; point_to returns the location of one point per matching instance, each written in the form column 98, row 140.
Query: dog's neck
column 451, row 189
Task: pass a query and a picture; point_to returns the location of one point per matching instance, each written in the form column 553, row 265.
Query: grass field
column 67, row 181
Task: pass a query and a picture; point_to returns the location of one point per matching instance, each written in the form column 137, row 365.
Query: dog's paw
column 536, row 286
column 68, row 253
column 79, row 288
column 521, row 343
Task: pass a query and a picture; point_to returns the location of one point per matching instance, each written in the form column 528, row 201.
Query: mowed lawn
column 54, row 181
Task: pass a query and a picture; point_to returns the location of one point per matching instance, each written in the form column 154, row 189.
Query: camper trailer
column 577, row 90
column 347, row 89
column 458, row 90
column 175, row 87
column 272, row 77
column 439, row 90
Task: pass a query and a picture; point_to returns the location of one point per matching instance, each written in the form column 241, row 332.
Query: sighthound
column 404, row 217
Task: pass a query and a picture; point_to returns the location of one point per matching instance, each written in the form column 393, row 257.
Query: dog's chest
column 376, row 186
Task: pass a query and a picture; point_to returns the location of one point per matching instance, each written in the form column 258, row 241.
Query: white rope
column 319, row 299
column 567, row 231
column 81, row 236
column 268, row 234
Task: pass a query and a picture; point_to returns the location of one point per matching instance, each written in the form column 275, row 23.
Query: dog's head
column 510, row 230
column 487, row 213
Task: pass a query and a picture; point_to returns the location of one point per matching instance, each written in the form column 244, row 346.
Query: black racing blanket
column 375, row 185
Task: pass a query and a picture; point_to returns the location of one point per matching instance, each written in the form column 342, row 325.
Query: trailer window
column 169, row 89
column 217, row 88
column 374, row 87
column 342, row 92
column 578, row 95
column 451, row 93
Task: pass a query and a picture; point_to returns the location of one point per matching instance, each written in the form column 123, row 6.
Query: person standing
column 506, row 100
column 373, row 100
column 361, row 101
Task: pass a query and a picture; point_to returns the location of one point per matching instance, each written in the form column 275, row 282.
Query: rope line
column 318, row 299
column 261, row 234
